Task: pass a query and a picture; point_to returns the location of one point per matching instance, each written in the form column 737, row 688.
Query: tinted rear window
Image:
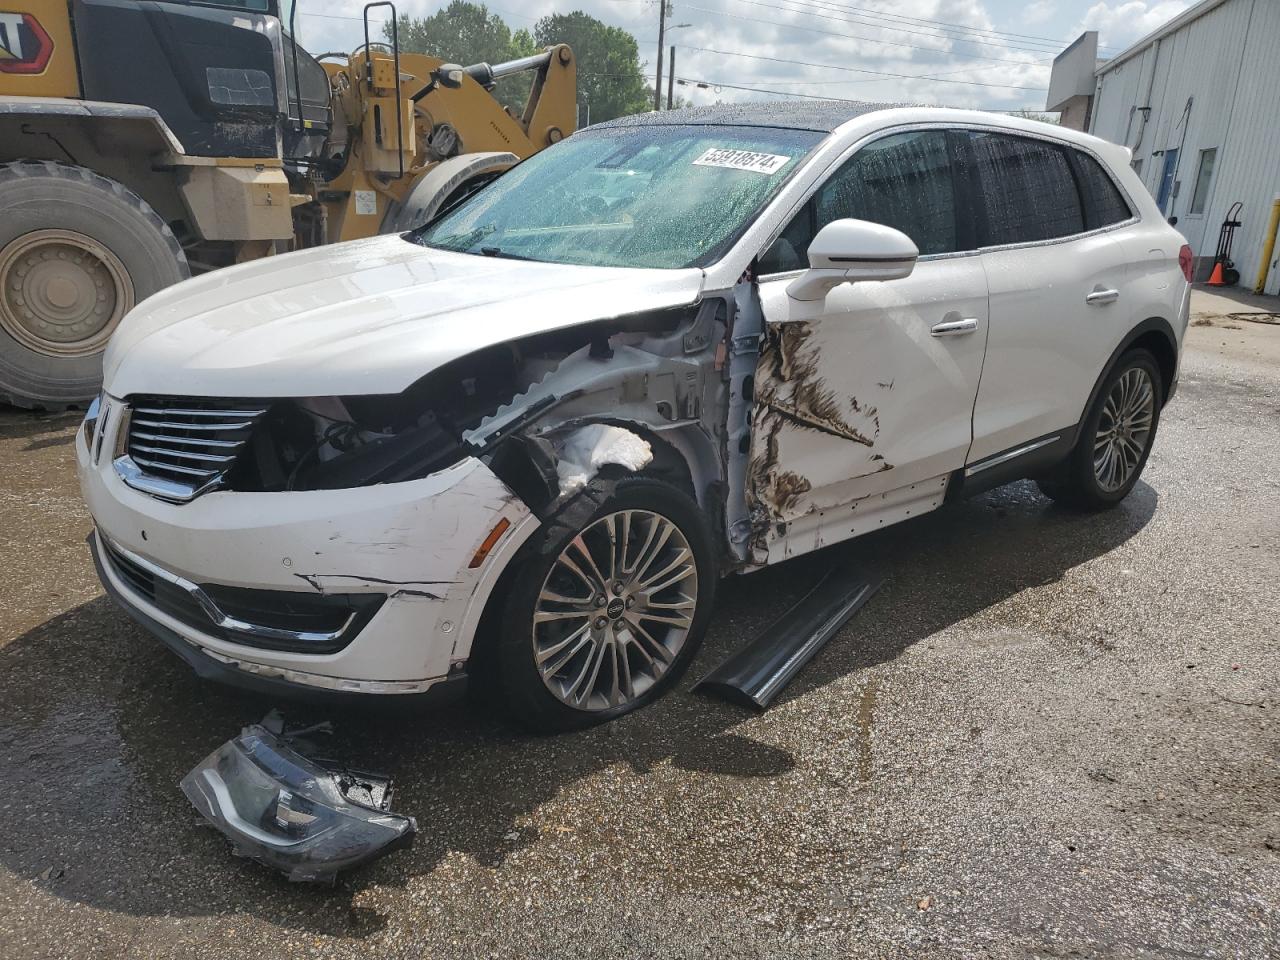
column 1104, row 203
column 1028, row 189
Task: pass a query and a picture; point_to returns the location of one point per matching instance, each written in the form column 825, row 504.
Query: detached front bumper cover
column 300, row 816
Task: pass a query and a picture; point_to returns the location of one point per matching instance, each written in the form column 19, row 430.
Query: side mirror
column 846, row 251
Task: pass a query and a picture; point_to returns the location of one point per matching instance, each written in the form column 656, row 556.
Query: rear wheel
column 1115, row 437
column 607, row 617
column 77, row 252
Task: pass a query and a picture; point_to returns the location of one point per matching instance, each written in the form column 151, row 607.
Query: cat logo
column 24, row 45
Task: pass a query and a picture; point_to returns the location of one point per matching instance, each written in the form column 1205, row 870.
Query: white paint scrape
column 588, row 449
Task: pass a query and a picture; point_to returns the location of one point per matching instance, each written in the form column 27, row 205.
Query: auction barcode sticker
column 769, row 163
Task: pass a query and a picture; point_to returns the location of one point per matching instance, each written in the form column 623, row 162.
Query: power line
column 880, row 73
column 922, row 21
column 827, row 11
column 824, row 83
column 686, row 81
column 339, row 16
column 853, row 36
column 939, row 24
column 823, row 9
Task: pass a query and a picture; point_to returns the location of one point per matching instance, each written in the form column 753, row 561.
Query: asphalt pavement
column 1048, row 735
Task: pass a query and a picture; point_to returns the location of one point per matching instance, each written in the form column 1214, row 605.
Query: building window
column 1204, row 177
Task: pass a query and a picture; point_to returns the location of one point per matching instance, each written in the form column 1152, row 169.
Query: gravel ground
column 1047, row 736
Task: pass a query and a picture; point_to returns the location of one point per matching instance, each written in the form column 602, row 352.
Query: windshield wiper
column 459, row 242
column 499, row 252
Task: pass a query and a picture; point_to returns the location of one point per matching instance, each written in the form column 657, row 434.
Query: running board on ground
column 756, row 674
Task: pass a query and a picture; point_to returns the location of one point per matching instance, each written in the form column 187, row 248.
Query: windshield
column 650, row 196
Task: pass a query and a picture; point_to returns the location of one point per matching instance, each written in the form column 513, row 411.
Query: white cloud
column 1038, row 12
column 983, row 71
column 1121, row 22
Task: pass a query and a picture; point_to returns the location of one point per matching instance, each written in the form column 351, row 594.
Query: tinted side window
column 903, row 181
column 1104, row 203
column 791, row 250
column 1028, row 189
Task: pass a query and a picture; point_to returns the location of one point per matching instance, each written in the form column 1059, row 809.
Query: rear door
column 1056, row 274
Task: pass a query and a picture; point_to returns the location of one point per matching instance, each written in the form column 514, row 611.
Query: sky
column 987, row 54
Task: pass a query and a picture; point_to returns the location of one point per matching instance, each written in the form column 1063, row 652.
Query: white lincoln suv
column 526, row 440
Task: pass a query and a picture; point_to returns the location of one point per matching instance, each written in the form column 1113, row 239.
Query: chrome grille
column 179, row 448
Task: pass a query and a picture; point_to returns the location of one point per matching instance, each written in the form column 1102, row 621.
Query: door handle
column 954, row 328
column 1102, row 296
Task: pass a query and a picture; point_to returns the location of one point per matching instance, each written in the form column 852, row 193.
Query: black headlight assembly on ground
column 309, row 819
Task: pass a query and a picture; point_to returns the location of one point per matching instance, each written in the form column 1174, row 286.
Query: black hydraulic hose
column 297, row 76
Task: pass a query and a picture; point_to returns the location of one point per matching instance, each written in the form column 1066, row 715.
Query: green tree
column 467, row 33
column 609, row 73
column 523, row 44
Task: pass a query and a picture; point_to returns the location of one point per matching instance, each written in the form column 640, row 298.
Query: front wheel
column 1115, row 438
column 605, row 617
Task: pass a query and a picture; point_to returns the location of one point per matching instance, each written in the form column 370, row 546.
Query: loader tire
column 77, row 252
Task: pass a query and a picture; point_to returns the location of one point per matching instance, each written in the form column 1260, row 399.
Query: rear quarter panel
column 1155, row 286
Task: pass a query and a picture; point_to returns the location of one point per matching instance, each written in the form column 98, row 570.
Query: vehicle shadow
column 39, row 429
column 98, row 724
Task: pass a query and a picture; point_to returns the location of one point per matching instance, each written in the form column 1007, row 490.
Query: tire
column 1088, row 480
column 621, row 650
column 77, row 251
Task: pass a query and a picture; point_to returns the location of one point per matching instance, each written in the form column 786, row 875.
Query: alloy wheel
column 615, row 610
column 1124, row 429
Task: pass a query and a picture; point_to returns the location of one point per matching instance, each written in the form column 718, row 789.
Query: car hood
column 364, row 317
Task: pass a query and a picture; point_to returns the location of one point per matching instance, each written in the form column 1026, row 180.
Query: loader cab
column 307, row 95
column 223, row 74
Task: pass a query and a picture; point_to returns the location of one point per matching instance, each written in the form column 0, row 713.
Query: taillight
column 1186, row 261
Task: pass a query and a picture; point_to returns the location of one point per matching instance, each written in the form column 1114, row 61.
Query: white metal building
column 1198, row 103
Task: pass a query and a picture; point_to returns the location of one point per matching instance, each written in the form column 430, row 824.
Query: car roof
column 822, row 116
column 828, row 116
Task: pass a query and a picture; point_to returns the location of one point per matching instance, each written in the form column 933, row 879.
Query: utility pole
column 662, row 31
column 671, row 77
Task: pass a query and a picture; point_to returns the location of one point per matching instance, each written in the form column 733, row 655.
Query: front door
column 863, row 410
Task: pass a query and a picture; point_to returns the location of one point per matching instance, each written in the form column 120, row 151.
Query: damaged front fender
column 643, row 395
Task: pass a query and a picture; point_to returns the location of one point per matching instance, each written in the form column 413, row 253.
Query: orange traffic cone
column 1215, row 278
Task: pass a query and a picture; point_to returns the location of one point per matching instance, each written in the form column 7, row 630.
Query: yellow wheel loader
column 142, row 141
